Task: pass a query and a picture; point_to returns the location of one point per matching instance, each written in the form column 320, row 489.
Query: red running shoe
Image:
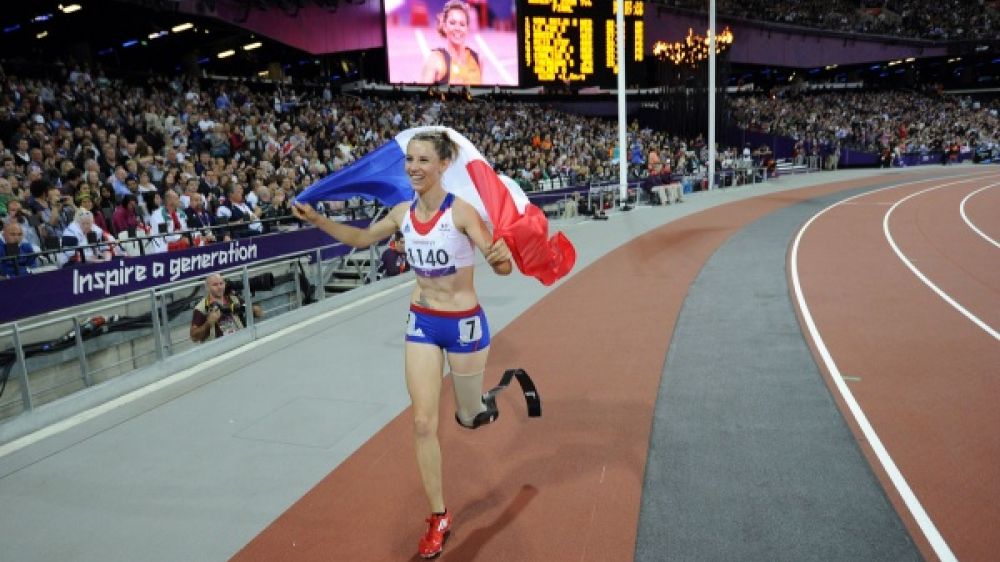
column 432, row 543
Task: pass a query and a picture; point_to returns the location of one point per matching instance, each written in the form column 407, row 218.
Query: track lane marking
column 920, row 275
column 961, row 209
column 917, row 511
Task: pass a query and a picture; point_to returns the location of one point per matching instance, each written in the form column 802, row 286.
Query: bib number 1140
column 427, row 257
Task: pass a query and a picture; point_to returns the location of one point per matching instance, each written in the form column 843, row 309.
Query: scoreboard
column 574, row 41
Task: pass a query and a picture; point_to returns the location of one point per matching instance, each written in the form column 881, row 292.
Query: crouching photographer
column 221, row 312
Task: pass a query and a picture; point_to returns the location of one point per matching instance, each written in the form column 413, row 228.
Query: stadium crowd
column 945, row 20
column 900, row 122
column 189, row 154
column 233, row 153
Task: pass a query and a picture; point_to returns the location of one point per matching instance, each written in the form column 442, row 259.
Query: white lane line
column 965, row 217
column 920, row 275
column 487, row 51
column 180, row 376
column 923, row 520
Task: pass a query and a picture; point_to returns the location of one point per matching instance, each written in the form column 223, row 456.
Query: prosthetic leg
column 487, row 408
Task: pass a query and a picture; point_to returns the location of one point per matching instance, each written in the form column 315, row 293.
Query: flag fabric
column 499, row 200
column 378, row 175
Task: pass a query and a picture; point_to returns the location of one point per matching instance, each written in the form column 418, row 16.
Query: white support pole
column 711, row 94
column 623, row 151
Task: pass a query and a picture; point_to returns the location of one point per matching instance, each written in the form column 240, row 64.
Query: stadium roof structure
column 137, row 35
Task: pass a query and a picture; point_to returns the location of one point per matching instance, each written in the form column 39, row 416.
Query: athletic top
column 437, row 247
column 462, row 70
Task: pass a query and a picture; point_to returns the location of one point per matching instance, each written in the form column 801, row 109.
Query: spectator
column 53, row 210
column 199, row 218
column 83, row 235
column 125, row 218
column 16, row 213
column 235, row 210
column 209, row 186
column 169, row 219
column 145, row 184
column 393, row 260
column 272, row 207
column 190, row 188
column 149, row 203
column 86, row 201
column 899, row 18
column 18, row 257
column 119, row 183
column 220, row 313
column 6, row 194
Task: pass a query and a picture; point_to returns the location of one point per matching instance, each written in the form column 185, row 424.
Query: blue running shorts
column 464, row 331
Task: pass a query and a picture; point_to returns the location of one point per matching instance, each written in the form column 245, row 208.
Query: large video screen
column 452, row 42
column 574, row 41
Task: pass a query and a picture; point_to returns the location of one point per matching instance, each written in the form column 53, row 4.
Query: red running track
column 925, row 372
column 567, row 486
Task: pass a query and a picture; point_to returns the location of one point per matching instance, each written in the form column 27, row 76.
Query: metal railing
column 58, row 354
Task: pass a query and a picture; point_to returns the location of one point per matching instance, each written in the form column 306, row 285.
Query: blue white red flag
column 499, row 200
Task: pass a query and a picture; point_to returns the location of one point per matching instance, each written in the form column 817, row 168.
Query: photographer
column 221, row 312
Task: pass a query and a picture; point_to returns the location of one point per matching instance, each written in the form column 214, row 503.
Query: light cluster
column 693, row 49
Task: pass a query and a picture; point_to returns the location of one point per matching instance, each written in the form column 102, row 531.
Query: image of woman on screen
column 455, row 63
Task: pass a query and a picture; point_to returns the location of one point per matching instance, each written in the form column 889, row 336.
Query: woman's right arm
column 352, row 235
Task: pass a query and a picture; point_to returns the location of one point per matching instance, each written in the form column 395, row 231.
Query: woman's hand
column 499, row 257
column 305, row 213
column 498, row 253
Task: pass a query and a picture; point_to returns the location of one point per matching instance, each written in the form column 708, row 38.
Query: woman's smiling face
column 456, row 26
column 423, row 165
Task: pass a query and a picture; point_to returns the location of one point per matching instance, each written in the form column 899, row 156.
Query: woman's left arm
column 497, row 253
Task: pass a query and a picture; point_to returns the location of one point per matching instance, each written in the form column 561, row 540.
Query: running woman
column 445, row 320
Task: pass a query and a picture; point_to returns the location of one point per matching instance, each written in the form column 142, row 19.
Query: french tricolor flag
column 500, row 201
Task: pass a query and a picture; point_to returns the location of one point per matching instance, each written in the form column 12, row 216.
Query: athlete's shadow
column 472, row 543
column 569, row 439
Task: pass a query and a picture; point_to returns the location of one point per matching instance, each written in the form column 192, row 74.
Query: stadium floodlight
column 42, row 35
column 226, row 53
column 252, row 46
column 182, row 27
column 70, row 8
